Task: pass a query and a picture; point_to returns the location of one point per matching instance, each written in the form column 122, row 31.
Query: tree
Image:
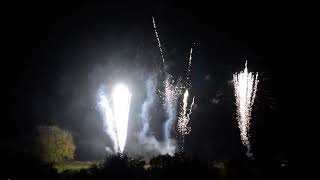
column 54, row 144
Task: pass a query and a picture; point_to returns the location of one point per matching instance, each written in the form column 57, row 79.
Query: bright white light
column 121, row 105
column 158, row 39
column 108, row 119
column 184, row 117
column 245, row 85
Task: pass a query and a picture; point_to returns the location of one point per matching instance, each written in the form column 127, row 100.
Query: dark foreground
column 179, row 166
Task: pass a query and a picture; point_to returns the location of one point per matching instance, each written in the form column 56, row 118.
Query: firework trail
column 245, row 85
column 147, row 104
column 190, row 110
column 189, row 69
column 158, row 39
column 172, row 90
column 183, row 119
column 184, row 115
column 115, row 115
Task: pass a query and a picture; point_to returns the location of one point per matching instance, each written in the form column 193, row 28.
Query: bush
column 54, row 144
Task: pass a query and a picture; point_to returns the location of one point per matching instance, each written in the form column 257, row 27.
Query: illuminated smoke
column 245, row 85
column 171, row 93
column 145, row 116
column 149, row 142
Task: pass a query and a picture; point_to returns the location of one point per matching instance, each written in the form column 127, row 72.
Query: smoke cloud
column 145, row 137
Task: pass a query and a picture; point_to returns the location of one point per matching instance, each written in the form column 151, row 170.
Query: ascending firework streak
column 172, row 90
column 158, row 39
column 245, row 85
column 189, row 69
column 184, row 116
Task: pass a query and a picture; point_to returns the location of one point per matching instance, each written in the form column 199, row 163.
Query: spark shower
column 115, row 115
column 245, row 88
column 115, row 108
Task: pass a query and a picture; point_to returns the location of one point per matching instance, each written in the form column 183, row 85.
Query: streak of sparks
column 190, row 61
column 170, row 97
column 158, row 39
column 121, row 106
column 108, row 119
column 171, row 93
column 115, row 115
column 190, row 110
column 189, row 69
column 184, row 117
column 172, row 90
column 245, row 85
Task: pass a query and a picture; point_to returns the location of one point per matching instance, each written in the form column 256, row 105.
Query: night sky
column 59, row 54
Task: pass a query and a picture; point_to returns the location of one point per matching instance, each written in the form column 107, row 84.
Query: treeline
column 179, row 166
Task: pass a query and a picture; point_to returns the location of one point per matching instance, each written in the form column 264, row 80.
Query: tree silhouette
column 53, row 144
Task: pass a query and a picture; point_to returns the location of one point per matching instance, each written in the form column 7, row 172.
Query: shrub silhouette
column 53, row 144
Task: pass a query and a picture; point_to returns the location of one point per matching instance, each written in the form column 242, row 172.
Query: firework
column 121, row 105
column 115, row 115
column 172, row 91
column 189, row 68
column 184, row 115
column 245, row 85
column 170, row 94
column 108, row 120
column 190, row 109
column 158, row 39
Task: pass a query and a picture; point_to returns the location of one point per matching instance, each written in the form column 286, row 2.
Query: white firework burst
column 184, row 117
column 245, row 86
column 115, row 114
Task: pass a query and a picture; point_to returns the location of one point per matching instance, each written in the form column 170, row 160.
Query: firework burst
column 245, row 85
column 115, row 114
column 184, row 115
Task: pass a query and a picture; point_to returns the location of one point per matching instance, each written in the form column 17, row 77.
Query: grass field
column 73, row 166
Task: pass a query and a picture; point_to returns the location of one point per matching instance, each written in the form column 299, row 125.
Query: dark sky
column 59, row 53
